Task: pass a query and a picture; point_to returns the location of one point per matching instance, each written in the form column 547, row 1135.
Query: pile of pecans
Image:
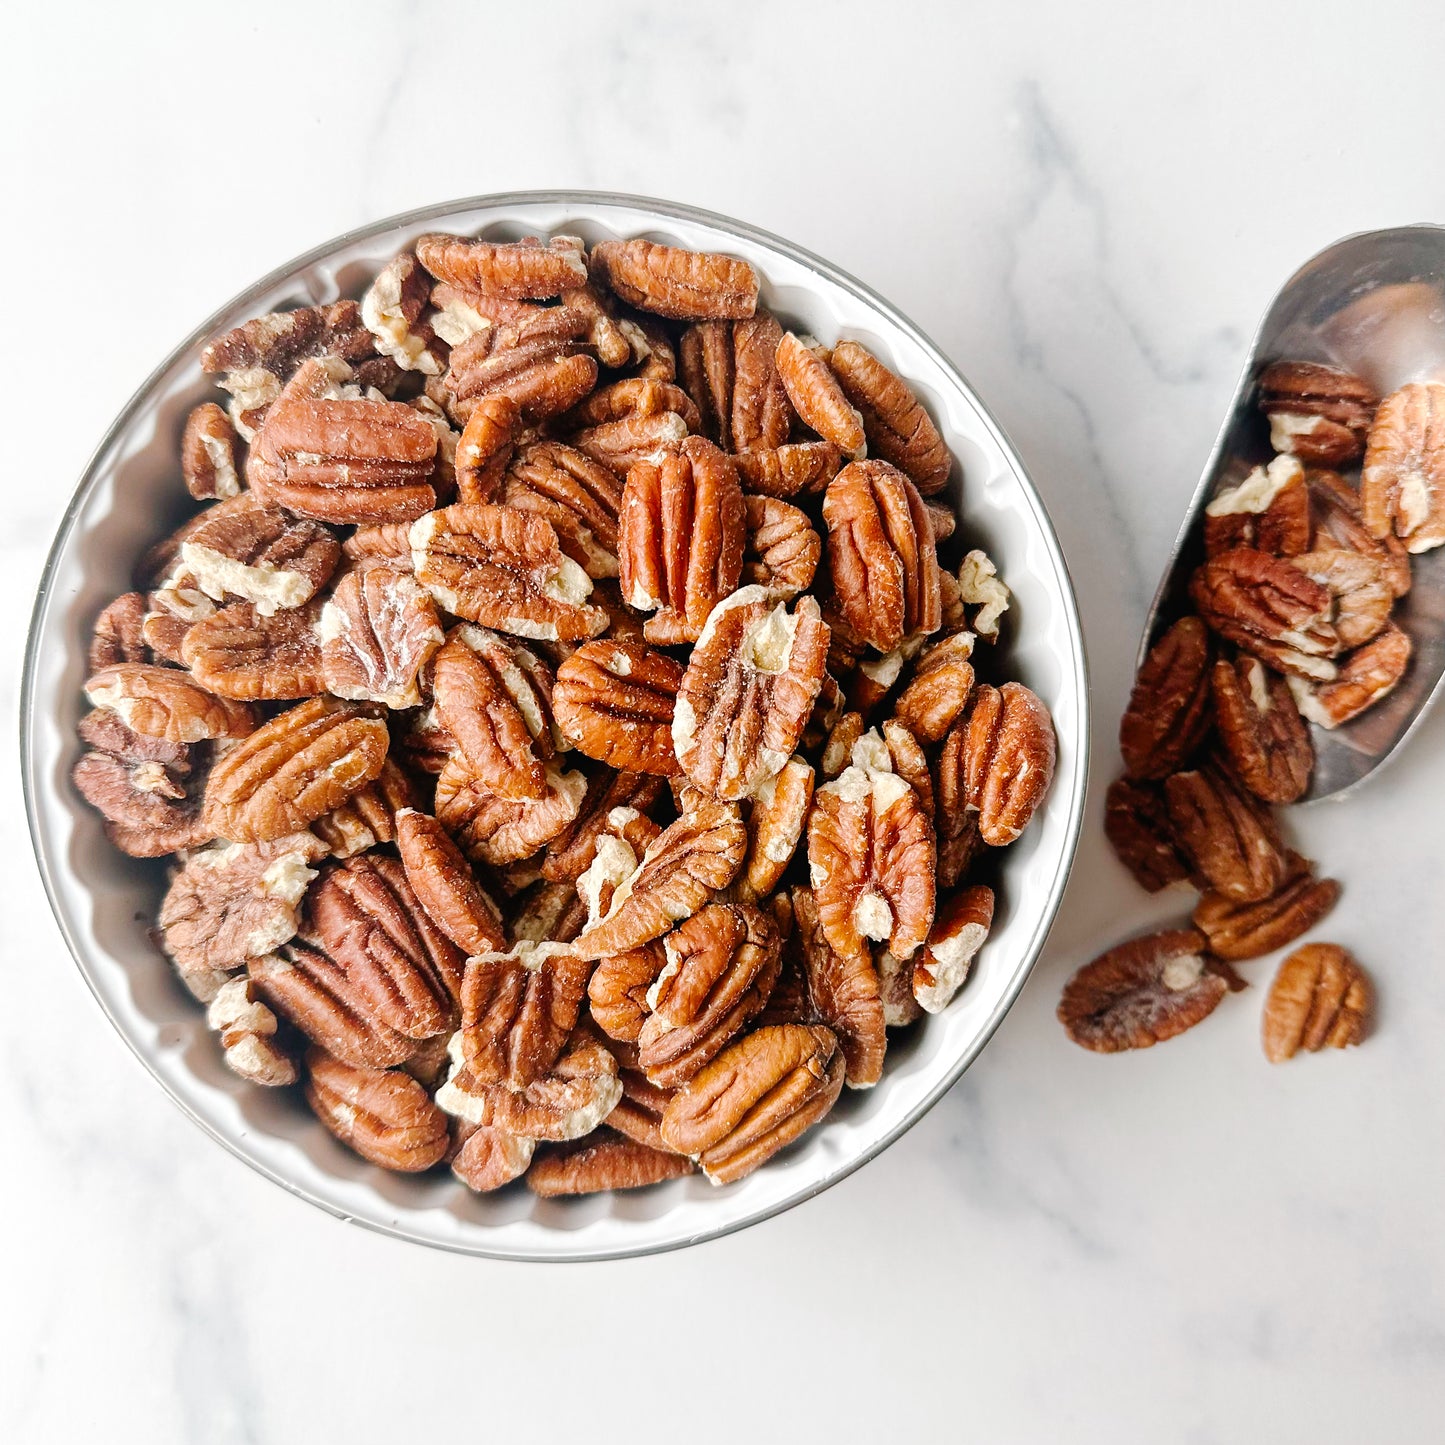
column 483, row 707
column 1292, row 626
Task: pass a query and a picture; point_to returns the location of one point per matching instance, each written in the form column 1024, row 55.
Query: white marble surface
column 1088, row 208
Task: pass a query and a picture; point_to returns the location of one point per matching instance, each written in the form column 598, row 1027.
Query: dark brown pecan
column 276, row 342
column 959, row 840
column 1319, row 413
column 1231, row 839
column 1168, row 712
column 1239, row 931
column 1260, row 726
column 1136, row 823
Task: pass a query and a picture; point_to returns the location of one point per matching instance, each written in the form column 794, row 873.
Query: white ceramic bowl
column 131, row 494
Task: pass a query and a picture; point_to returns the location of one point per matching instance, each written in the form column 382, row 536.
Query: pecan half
column 540, row 368
column 1267, row 742
column 166, row 703
column 242, row 653
column 261, row 556
column 761, row 415
column 756, row 1097
column 695, row 856
column 377, row 631
column 634, row 396
column 1136, row 823
column 748, row 691
column 871, row 856
column 617, row 992
column 1402, row 486
column 528, row 269
column 497, row 830
column 1361, row 590
column 899, row 430
column 1335, row 511
column 572, row 852
column 246, row 1029
column 959, row 840
column 1141, row 993
column 705, row 359
column 486, row 446
column 1320, row 998
column 671, row 281
column 958, row 932
column 939, row 689
column 208, row 454
column 1269, row 608
column 782, row 549
column 816, row 395
column 388, row 541
column 604, row 1161
column 1009, row 754
column 1319, row 413
column 681, row 536
column 1365, row 677
column 775, row 827
column 579, row 496
column 614, row 702
column 1239, row 931
column 146, row 799
column 910, row 762
column 1168, row 712
column 881, row 554
column 382, row 1114
column 445, row 886
column 118, row 635
column 303, row 763
column 843, row 992
column 1229, row 837
column 503, row 567
column 1269, row 510
column 277, row 341
column 622, row 444
column 488, row 1159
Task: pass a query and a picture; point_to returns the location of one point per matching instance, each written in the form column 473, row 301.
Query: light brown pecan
column 364, row 914
column 1239, row 931
column 898, row 428
column 303, row 763
column 368, row 816
column 633, row 396
column 1136, row 823
column 445, row 886
column 939, row 689
column 1231, row 839
column 910, row 762
column 1267, row 742
column 756, row 1097
column 838, row 750
column 578, row 495
column 572, row 1100
column 1361, row 590
column 391, row 310
column 496, row 830
column 1009, row 752
column 871, row 856
column 486, row 446
column 313, row 992
column 980, row 587
column 617, row 992
column 789, row 470
column 503, row 567
column 895, row 991
column 1168, row 712
column 1269, row 608
column 382, row 1114
column 148, row 802
column 616, row 342
column 697, row 855
column 233, row 902
column 171, row 611
column 958, row 932
column 1365, row 677
column 208, row 454
column 1337, row 520
column 388, row 541
column 775, row 827
column 761, row 415
column 246, row 1029
column 1141, row 993
column 881, row 554
column 527, row 269
column 488, row 1159
column 164, row 702
column 614, row 702
column 544, row 912
column 1319, row 413
column 160, row 561
column 261, row 556
column 519, row 1009
column 377, row 631
column 1269, row 511
column 119, row 635
column 705, row 359
column 334, row 457
column 606, row 1160
column 959, row 840
column 541, row 369
column 816, row 395
column 493, row 698
column 572, row 852
column 782, row 549
column 748, row 691
column 1320, row 998
column 843, row 992
column 681, row 536
column 620, row 445
column 1402, row 486
column 239, row 652
column 671, row 281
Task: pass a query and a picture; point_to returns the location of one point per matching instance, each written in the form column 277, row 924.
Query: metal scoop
column 1373, row 304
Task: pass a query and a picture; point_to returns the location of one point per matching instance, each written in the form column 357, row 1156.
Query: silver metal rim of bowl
column 438, row 213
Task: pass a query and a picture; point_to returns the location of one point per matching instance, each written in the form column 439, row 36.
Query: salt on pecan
column 445, row 886
column 1260, row 726
column 881, row 554
column 1365, row 677
column 1320, row 414
column 670, row 281
column 382, row 1114
column 1320, row 998
column 959, row 930
column 530, row 268
column 782, row 550
column 259, row 555
column 1009, row 755
column 1269, row 511
column 843, row 992
column 166, row 703
column 898, row 429
column 1136, row 823
column 208, row 454
column 1141, row 993
column 1240, row 931
column 241, row 652
column 816, row 395
column 748, row 691
column 681, row 535
column 614, row 701
column 1169, row 707
column 605, row 1160
column 1229, row 837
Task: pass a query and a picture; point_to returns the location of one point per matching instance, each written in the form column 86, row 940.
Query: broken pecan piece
column 368, row 816
column 1141, row 993
column 1240, row 931
column 572, row 852
column 1009, row 754
column 899, row 430
column 1402, row 486
column 617, row 992
column 1320, row 998
column 671, row 281
column 980, row 587
column 488, row 1159
column 1269, row 511
column 166, row 703
column 843, row 991
column 1136, row 823
column 782, row 549
column 817, row 397
column 485, row 447
column 1365, row 677
column 259, row 555
column 959, row 931
column 756, row 1097
column 391, row 310
column 242, row 653
column 1319, row 413
column 1168, row 712
column 1260, row 726
column 606, row 1160
column 246, row 1029
column 119, row 635
column 748, row 691
column 444, row 885
column 939, row 690
column 579, row 496
column 614, row 702
column 761, row 416
column 530, row 269
column 1229, row 837
column 384, row 1115
column 775, row 827
column 208, row 454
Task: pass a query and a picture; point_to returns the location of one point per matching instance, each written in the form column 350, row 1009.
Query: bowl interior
column 105, row 903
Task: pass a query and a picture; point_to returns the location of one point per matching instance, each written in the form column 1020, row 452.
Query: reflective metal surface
column 1374, row 304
